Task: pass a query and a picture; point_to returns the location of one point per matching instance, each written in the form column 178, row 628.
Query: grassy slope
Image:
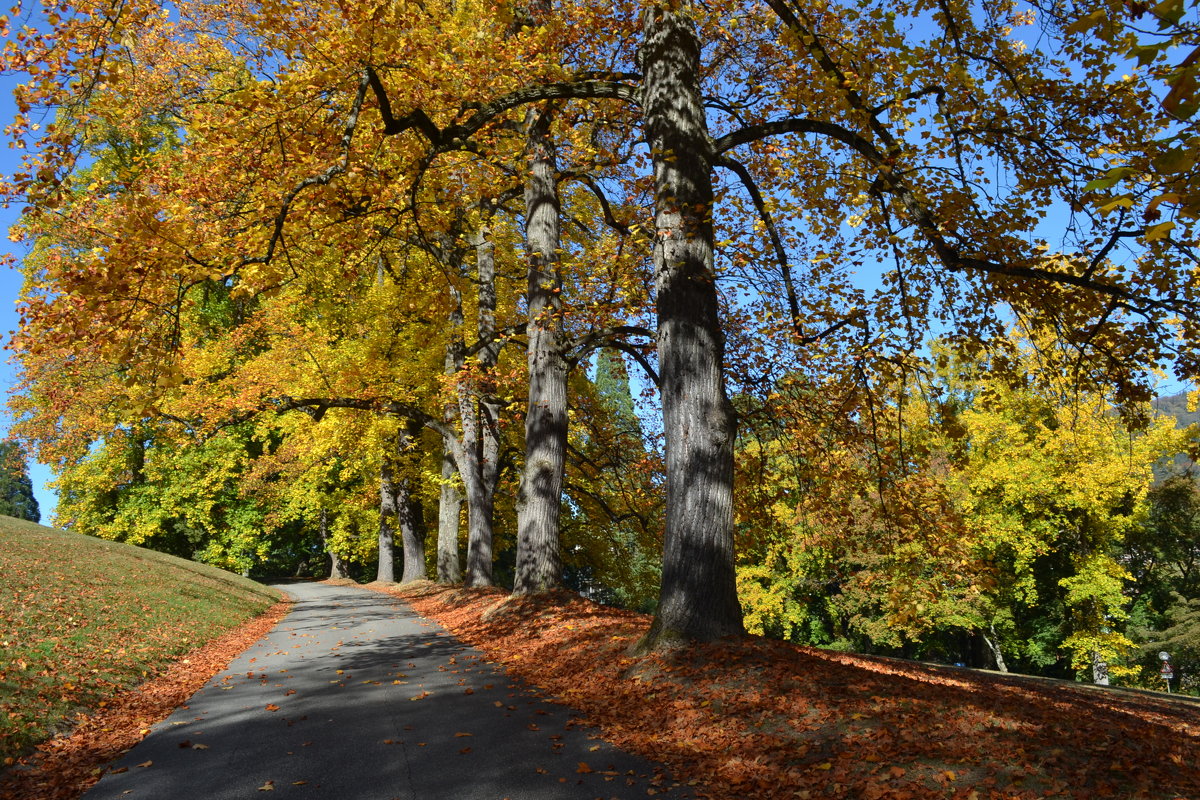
column 82, row 618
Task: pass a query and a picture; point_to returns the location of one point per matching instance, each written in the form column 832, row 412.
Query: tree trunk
column 539, row 564
column 1099, row 669
column 387, row 510
column 337, row 567
column 449, row 570
column 410, row 516
column 480, row 422
column 449, row 511
column 993, row 643
column 698, row 597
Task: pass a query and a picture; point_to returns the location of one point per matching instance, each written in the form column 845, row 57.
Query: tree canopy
column 383, row 218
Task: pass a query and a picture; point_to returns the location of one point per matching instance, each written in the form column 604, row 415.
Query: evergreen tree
column 16, row 489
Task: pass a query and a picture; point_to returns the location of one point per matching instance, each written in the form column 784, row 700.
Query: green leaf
column 1109, row 180
column 1086, row 23
column 1146, row 54
column 1173, row 161
column 1169, row 12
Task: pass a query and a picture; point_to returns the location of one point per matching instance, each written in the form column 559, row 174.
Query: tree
column 852, row 137
column 973, row 517
column 698, row 597
column 16, row 489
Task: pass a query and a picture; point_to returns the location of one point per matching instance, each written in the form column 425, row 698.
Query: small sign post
column 1167, row 671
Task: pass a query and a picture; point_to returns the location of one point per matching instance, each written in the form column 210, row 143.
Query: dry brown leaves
column 766, row 719
column 66, row 766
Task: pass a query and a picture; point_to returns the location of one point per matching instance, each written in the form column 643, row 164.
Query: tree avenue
column 274, row 229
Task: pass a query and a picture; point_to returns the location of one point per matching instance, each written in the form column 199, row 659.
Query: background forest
column 835, row 322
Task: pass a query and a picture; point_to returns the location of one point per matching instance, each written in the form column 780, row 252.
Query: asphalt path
column 353, row 696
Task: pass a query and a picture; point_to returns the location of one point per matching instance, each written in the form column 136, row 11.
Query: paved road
column 353, row 696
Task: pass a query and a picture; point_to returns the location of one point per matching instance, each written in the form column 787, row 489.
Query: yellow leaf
column 1159, row 231
column 1113, row 203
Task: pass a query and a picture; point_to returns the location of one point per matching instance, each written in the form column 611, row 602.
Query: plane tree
column 926, row 143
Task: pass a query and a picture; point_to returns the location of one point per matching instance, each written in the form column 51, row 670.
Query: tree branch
column 756, row 197
column 321, row 179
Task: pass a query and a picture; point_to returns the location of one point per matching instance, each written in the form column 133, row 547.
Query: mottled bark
column 480, row 425
column 1099, row 669
column 410, row 516
column 993, row 644
column 387, row 512
column 450, row 499
column 539, row 564
column 698, row 597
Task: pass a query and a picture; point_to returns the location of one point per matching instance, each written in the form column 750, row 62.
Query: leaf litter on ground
column 757, row 718
column 64, row 767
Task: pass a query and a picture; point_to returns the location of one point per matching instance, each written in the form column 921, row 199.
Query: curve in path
column 353, row 696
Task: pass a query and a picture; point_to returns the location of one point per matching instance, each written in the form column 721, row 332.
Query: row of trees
column 283, row 246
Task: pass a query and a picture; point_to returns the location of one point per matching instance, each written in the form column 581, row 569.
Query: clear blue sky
column 10, row 288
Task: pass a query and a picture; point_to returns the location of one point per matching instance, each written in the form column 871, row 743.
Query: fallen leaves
column 769, row 720
column 63, row 767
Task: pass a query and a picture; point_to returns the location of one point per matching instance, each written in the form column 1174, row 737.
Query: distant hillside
column 1176, row 406
column 83, row 618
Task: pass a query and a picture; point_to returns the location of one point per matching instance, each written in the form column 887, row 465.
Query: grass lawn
column 81, row 619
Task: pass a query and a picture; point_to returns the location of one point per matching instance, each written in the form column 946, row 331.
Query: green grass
column 83, row 618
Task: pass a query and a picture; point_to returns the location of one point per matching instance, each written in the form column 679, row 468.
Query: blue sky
column 10, row 289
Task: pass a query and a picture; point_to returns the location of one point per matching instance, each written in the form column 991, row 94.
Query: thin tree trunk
column 1099, row 669
column 539, row 564
column 698, row 597
column 480, row 422
column 449, row 569
column 993, row 643
column 387, row 510
column 410, row 516
column 337, row 567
